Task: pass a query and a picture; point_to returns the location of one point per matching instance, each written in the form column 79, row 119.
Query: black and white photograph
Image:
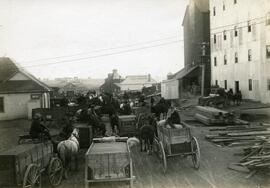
column 134, row 93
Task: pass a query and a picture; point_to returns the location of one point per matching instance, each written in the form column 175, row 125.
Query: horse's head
column 75, row 133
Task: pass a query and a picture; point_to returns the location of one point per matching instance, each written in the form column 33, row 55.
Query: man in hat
column 37, row 129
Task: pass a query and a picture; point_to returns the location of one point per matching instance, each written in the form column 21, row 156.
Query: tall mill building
column 240, row 47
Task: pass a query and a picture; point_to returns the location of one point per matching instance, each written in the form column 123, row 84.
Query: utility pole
column 203, row 48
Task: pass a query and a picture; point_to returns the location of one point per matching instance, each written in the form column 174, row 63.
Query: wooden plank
column 238, row 168
column 250, row 133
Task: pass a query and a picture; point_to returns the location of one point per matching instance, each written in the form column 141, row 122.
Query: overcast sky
column 94, row 36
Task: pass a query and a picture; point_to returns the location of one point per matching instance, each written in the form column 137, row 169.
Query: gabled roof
column 137, row 79
column 21, row 86
column 8, row 69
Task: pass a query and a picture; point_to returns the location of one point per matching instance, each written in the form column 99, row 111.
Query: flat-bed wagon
column 24, row 164
column 172, row 142
column 108, row 162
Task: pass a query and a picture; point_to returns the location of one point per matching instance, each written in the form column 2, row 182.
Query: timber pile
column 239, row 135
column 256, row 157
column 213, row 116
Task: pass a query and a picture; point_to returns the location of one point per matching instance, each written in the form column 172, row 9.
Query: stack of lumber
column 256, row 157
column 213, row 116
column 239, row 135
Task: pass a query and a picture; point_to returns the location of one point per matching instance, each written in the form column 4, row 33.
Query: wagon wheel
column 160, row 152
column 55, row 171
column 32, row 177
column 196, row 155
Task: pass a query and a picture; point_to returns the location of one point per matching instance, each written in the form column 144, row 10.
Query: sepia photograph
column 135, row 93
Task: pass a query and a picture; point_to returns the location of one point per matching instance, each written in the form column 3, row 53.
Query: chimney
column 149, row 77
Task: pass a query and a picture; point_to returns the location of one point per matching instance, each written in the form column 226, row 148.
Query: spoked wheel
column 32, row 177
column 55, row 171
column 196, row 155
column 160, row 152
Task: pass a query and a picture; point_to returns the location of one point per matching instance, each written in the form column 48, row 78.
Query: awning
column 183, row 72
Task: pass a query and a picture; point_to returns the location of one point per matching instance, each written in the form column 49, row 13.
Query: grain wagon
column 172, row 142
column 108, row 162
column 24, row 164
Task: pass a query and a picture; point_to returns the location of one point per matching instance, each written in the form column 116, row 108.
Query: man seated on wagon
column 37, row 129
column 173, row 117
column 67, row 128
column 95, row 121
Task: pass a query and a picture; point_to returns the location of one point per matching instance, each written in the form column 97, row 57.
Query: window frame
column 235, row 31
column 215, row 38
column 235, row 57
column 225, row 84
column 224, row 35
column 249, row 55
column 267, row 20
column 267, row 51
column 2, row 107
column 215, row 61
column 235, row 2
column 268, row 84
column 249, row 27
column 250, row 87
column 225, row 59
column 214, row 11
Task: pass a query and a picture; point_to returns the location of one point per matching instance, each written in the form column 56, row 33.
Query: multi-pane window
column 267, row 51
column 215, row 61
column 224, row 35
column 235, row 31
column 268, row 18
column 250, row 84
column 249, row 55
column 214, row 11
column 268, row 84
column 225, row 84
column 225, row 59
column 249, row 27
column 236, row 57
column 2, row 108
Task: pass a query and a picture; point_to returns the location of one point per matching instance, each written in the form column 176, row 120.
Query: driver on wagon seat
column 37, row 130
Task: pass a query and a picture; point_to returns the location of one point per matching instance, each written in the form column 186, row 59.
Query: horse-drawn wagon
column 172, row 142
column 127, row 125
column 108, row 162
column 24, row 164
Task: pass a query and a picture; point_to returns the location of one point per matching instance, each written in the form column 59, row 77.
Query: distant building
column 240, row 47
column 111, row 84
column 137, row 82
column 196, row 25
column 20, row 92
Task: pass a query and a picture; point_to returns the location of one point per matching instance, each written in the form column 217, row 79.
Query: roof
column 7, row 68
column 21, row 86
column 183, row 72
column 138, row 79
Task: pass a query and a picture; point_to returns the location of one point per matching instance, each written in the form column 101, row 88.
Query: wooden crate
column 127, row 125
column 107, row 161
column 175, row 141
column 14, row 162
column 85, row 134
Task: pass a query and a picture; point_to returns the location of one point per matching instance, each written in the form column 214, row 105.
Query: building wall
column 17, row 105
column 137, row 87
column 197, row 31
column 239, row 15
column 170, row 89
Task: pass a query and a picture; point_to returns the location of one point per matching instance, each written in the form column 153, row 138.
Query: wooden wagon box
column 85, row 134
column 13, row 162
column 175, row 141
column 109, row 161
column 127, row 125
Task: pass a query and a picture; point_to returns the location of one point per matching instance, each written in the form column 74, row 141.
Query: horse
column 147, row 135
column 69, row 149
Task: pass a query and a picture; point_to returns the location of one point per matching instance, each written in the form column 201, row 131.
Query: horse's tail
column 61, row 149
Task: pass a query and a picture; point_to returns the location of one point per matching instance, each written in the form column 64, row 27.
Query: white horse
column 68, row 150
